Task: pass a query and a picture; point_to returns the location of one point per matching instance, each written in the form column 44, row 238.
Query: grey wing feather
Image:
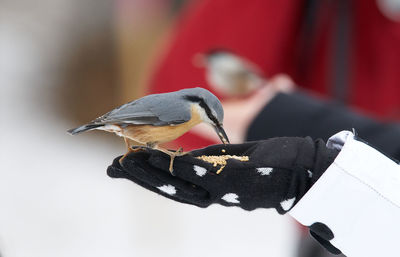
column 172, row 112
column 158, row 110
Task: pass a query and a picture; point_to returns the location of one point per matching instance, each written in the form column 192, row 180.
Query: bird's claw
column 135, row 149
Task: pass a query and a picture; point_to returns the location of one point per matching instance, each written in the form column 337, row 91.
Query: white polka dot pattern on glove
column 200, row 171
column 264, row 171
column 168, row 189
column 287, row 204
column 231, row 198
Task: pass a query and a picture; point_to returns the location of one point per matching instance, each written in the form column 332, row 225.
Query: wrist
column 292, row 115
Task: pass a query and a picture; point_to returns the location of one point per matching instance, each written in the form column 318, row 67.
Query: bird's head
column 209, row 108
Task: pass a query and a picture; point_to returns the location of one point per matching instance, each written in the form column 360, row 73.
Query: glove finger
column 140, row 168
column 187, row 168
column 163, row 182
column 115, row 170
column 182, row 197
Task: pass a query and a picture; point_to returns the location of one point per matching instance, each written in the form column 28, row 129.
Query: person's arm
column 355, row 204
column 288, row 174
column 299, row 114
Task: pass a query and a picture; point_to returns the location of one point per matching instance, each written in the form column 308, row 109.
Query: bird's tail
column 83, row 128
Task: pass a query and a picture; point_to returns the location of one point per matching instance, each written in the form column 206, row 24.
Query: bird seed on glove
column 221, row 160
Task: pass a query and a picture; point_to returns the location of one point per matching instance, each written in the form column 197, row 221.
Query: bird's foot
column 171, row 164
column 132, row 149
column 135, row 149
column 123, row 157
column 178, row 152
column 172, row 155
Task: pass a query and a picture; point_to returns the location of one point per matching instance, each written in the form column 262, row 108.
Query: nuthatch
column 230, row 73
column 160, row 118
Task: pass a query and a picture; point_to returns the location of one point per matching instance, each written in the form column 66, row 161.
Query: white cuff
column 358, row 198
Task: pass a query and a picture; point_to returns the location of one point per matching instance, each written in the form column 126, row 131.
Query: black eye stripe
column 208, row 112
column 203, row 105
column 193, row 98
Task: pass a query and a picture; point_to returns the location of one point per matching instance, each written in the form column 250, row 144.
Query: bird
column 160, row 118
column 229, row 73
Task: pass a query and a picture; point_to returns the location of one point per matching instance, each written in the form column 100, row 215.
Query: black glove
column 279, row 172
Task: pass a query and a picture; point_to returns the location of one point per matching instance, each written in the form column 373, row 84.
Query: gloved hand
column 278, row 173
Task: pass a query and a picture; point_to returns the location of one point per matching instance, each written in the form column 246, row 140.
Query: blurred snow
column 55, row 196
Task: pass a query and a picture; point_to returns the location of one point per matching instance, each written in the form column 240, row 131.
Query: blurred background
column 287, row 68
column 63, row 63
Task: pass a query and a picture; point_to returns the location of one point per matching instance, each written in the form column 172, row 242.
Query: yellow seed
column 221, row 160
column 220, row 169
column 223, row 150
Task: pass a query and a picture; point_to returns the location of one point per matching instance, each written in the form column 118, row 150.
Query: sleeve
column 357, row 199
column 300, row 114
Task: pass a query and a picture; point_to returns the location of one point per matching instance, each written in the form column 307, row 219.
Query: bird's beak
column 221, row 133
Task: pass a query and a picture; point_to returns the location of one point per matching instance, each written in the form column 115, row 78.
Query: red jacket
column 270, row 34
